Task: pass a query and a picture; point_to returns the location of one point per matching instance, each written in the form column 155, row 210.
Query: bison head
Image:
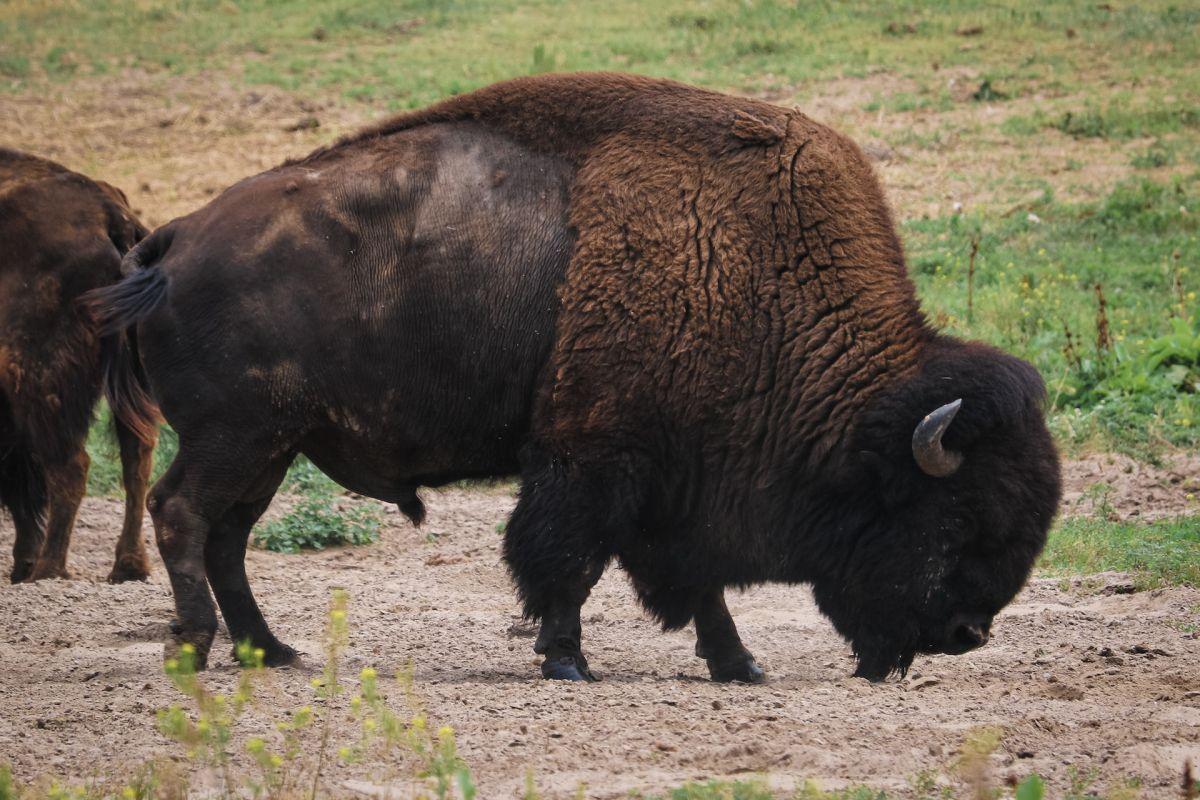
column 952, row 486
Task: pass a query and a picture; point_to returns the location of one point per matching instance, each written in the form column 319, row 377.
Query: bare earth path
column 1073, row 678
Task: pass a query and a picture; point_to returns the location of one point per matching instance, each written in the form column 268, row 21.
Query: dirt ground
column 1076, row 677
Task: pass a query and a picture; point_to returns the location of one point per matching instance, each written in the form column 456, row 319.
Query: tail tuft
column 125, row 386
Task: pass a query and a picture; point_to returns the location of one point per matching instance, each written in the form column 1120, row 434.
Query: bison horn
column 927, row 448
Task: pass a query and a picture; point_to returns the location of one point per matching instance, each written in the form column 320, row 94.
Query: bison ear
column 927, row 449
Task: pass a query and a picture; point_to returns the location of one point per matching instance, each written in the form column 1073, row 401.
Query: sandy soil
column 1083, row 678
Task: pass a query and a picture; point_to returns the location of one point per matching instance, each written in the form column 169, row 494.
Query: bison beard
column 688, row 313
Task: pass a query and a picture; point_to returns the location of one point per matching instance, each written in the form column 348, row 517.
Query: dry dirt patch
column 1122, row 488
column 172, row 143
column 1073, row 678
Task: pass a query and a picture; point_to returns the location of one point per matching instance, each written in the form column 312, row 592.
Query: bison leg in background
column 718, row 643
column 66, row 483
column 556, row 548
column 19, row 485
column 26, row 545
column 225, row 564
column 137, row 459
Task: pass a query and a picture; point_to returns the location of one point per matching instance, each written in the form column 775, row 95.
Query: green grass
column 1157, row 554
column 1135, row 388
column 1118, row 120
column 318, row 522
column 409, row 52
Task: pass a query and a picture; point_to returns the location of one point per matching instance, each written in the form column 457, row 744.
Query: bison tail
column 123, row 305
column 125, row 386
column 22, row 485
column 117, row 309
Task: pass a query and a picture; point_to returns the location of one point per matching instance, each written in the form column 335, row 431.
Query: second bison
column 684, row 318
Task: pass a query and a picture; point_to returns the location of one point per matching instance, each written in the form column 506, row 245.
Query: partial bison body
column 683, row 317
column 62, row 235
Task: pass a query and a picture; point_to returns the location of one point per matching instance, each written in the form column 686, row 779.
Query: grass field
column 1058, row 88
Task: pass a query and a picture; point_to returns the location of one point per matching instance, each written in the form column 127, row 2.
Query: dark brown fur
column 61, row 235
column 724, row 392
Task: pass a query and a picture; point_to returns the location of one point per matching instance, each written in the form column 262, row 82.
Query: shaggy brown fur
column 61, row 235
column 735, row 262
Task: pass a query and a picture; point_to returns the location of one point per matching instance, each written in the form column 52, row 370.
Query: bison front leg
column 718, row 643
column 137, row 459
column 556, row 548
column 66, row 483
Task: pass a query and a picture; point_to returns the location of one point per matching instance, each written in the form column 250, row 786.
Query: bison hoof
column 124, row 571
column 22, row 571
column 43, row 572
column 278, row 655
column 567, row 668
column 742, row 671
column 188, row 656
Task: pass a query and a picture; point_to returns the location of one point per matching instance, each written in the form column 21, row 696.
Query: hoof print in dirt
column 567, row 668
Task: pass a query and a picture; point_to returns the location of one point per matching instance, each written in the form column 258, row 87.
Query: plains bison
column 683, row 317
column 62, row 235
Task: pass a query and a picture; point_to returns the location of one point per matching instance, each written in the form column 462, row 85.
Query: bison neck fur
column 684, row 317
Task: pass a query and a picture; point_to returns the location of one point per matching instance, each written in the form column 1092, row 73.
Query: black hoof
column 21, row 571
column 567, row 668
column 273, row 655
column 281, row 656
column 747, row 671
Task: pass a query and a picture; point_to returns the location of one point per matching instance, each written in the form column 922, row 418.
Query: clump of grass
column 318, row 522
column 1158, row 154
column 1162, row 553
column 433, row 765
column 1117, row 120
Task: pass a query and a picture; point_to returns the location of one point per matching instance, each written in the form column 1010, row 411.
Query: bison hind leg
column 410, row 505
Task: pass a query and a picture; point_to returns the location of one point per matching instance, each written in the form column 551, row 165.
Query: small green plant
column 972, row 763
column 318, row 522
column 207, row 736
column 1032, row 788
column 1154, row 156
column 303, row 477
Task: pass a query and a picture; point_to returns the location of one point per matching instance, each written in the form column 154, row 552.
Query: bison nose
column 967, row 632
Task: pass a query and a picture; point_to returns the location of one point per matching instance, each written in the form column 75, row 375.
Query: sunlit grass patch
column 1160, row 553
column 1101, row 297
